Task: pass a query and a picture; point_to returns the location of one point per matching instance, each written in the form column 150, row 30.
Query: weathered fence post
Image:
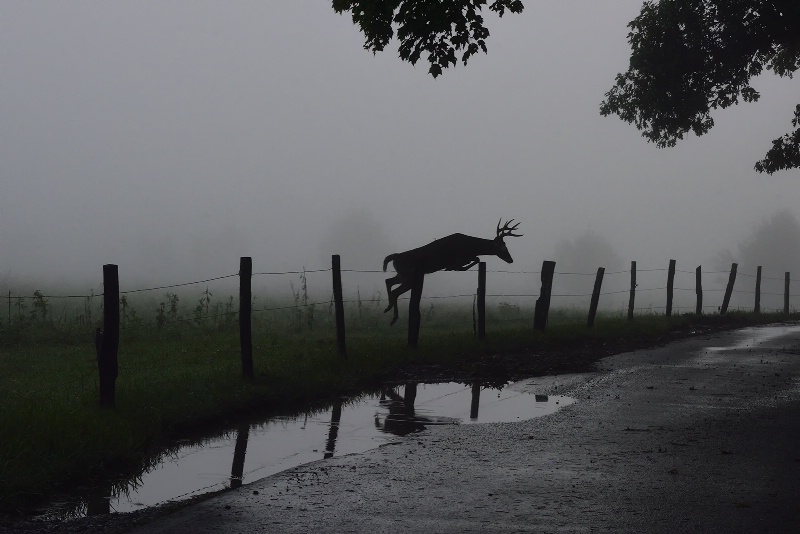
column 670, row 284
column 543, row 302
column 757, row 307
column 632, row 298
column 598, row 282
column 482, row 300
column 109, row 342
column 336, row 269
column 728, row 290
column 414, row 315
column 699, row 289
column 245, row 315
column 787, row 278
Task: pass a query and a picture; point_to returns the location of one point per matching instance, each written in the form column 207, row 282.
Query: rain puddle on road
column 254, row 451
column 756, row 337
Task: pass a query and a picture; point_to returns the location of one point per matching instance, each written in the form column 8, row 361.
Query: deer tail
column 386, row 261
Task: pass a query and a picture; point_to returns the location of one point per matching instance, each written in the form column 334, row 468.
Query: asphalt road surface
column 702, row 435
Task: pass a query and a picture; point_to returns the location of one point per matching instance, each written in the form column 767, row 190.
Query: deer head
column 506, row 231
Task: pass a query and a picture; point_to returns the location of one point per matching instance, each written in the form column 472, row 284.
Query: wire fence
column 309, row 306
column 37, row 296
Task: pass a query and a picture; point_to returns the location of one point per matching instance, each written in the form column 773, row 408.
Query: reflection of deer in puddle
column 402, row 418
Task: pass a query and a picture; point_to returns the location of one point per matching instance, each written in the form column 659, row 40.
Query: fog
column 173, row 137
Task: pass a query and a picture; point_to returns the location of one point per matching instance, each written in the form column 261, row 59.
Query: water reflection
column 349, row 425
column 333, row 432
column 401, row 419
column 239, row 450
column 476, row 402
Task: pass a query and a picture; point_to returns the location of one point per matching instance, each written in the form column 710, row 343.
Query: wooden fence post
column 481, row 300
column 109, row 342
column 699, row 289
column 670, row 285
column 336, row 268
column 787, row 278
column 728, row 290
column 245, row 315
column 757, row 307
column 598, row 282
column 632, row 298
column 414, row 316
column 543, row 302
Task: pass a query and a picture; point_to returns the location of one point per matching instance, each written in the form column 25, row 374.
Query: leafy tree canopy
column 689, row 57
column 439, row 28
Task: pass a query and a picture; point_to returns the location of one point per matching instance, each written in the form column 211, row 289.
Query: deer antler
column 506, row 230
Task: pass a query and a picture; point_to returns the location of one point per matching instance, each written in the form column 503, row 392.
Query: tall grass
column 180, row 369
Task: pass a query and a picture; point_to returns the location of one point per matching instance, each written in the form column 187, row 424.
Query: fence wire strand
column 178, row 285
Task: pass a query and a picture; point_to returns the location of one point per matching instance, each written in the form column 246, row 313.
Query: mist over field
column 171, row 138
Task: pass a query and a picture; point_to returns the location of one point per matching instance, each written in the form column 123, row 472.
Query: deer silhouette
column 456, row 252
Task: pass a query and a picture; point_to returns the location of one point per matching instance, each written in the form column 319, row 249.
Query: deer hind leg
column 395, row 280
column 393, row 295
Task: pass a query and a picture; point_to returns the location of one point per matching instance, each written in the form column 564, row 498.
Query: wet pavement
column 702, row 435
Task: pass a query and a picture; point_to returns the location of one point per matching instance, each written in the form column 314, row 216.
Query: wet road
column 702, row 435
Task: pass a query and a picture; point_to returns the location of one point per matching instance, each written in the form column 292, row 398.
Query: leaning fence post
column 543, row 302
column 757, row 307
column 598, row 282
column 728, row 290
column 699, row 289
column 632, row 298
column 413, row 308
column 787, row 278
column 481, row 300
column 336, row 268
column 245, row 315
column 109, row 338
column 670, row 284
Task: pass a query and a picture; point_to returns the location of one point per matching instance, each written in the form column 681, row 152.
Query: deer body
column 456, row 252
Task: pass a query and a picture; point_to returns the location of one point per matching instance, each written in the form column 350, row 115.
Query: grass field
column 181, row 371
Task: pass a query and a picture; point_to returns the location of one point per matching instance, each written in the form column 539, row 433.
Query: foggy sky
column 172, row 137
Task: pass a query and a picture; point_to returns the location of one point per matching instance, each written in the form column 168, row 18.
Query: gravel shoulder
column 700, row 435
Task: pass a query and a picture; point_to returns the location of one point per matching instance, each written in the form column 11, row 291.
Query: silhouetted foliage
column 586, row 252
column 689, row 57
column 439, row 28
column 775, row 242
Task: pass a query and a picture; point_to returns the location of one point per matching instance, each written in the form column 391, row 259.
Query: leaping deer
column 456, row 252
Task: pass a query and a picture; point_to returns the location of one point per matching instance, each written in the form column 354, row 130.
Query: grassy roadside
column 54, row 434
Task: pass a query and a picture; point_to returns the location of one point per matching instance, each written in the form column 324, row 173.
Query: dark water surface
column 350, row 425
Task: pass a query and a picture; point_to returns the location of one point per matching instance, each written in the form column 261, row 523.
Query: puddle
column 255, row 451
column 757, row 337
